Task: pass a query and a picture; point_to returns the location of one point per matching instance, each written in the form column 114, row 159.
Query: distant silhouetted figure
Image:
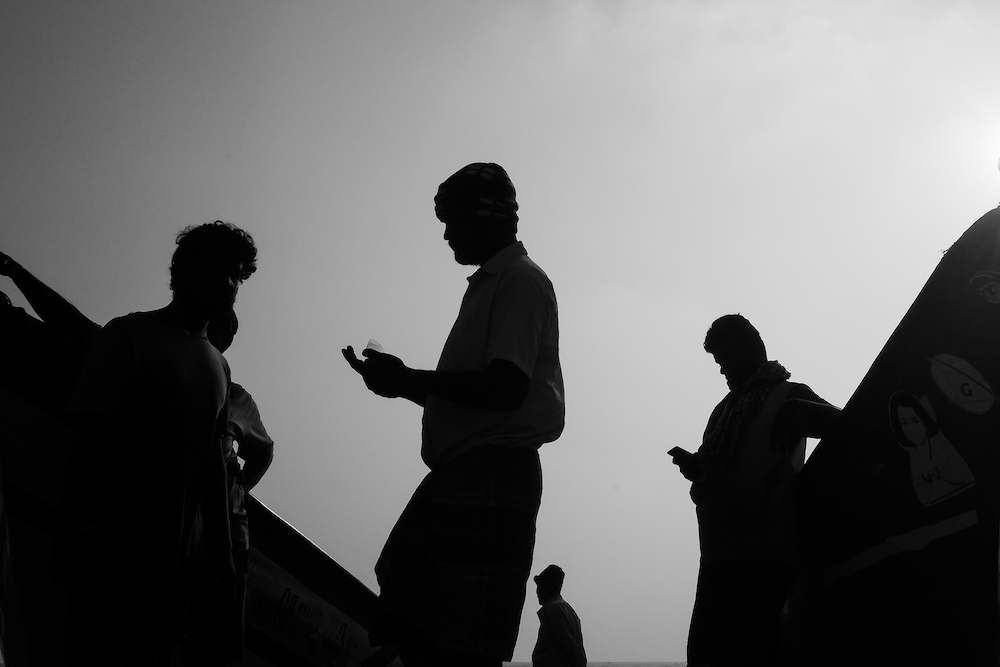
column 453, row 571
column 742, row 487
column 560, row 635
column 151, row 567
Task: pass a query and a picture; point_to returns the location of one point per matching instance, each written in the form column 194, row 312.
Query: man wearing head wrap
column 454, row 569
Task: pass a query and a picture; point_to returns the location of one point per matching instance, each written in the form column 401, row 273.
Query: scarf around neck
column 729, row 421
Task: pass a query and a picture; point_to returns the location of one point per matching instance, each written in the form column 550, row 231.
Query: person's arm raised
column 50, row 306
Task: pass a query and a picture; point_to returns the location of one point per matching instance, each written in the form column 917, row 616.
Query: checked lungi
column 455, row 567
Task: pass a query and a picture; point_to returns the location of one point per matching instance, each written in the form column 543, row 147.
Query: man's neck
column 178, row 314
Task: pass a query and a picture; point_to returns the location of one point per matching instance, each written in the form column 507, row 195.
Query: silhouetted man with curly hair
column 149, row 566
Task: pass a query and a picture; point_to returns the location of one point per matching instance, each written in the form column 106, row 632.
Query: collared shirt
column 560, row 636
column 509, row 312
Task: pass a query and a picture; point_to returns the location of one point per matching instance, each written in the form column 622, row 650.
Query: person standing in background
column 560, row 634
column 244, row 428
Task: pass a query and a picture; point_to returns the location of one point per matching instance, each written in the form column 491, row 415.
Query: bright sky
column 801, row 162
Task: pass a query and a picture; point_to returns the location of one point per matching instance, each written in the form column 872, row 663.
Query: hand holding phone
column 677, row 452
column 686, row 461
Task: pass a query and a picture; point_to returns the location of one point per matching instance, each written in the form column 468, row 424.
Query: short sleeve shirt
column 509, row 312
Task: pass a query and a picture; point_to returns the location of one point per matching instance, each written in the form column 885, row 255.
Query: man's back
column 160, row 392
column 560, row 636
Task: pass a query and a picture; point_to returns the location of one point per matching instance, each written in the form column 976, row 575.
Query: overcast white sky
column 801, row 162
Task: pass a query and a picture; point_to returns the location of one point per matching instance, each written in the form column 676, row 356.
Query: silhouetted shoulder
column 101, row 383
column 803, row 392
column 524, row 264
column 131, row 323
column 522, row 276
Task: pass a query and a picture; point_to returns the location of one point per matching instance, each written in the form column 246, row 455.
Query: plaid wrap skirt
column 455, row 567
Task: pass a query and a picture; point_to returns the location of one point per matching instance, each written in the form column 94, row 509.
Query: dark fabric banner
column 900, row 507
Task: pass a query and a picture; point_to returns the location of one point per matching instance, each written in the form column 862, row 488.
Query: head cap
column 552, row 577
column 481, row 190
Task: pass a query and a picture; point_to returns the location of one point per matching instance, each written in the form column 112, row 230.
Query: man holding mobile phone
column 452, row 574
column 742, row 477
